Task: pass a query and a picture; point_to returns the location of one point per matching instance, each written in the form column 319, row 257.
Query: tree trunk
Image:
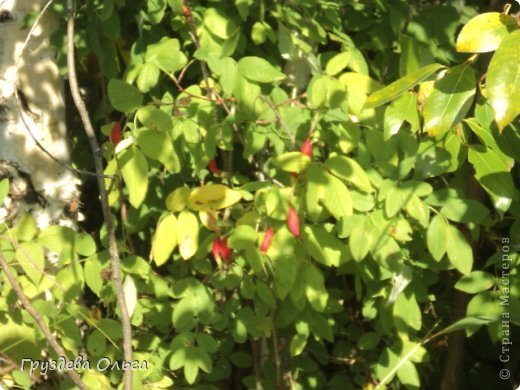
column 38, row 183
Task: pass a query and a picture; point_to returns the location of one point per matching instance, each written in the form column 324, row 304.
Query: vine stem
column 51, row 339
column 98, row 162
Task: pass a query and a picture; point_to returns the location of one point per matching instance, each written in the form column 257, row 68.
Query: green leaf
column 130, row 293
column 503, row 80
column 166, row 55
column 459, row 251
column 436, row 237
column 361, row 239
column 493, row 174
column 315, row 189
column 337, row 198
column 148, row 77
column 464, row 210
column 405, row 83
column 475, row 282
column 258, row 69
column 403, row 109
column 265, row 294
column 92, row 271
column 450, row 100
column 292, row 161
column 242, row 237
column 187, row 234
column 470, row 322
column 159, row 146
column 315, row 289
column 349, row 170
column 485, row 32
column 164, row 239
column 218, row 23
column 123, row 96
column 408, row 375
column 134, row 169
column 407, row 312
column 207, row 342
column 30, row 257
column 4, row 189
column 191, row 366
column 337, row 63
column 323, row 246
column 155, row 119
column 298, row 343
column 178, row 199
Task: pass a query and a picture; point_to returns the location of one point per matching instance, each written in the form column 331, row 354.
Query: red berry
column 186, row 11
column 116, row 135
column 212, row 165
column 221, row 250
column 293, row 222
column 266, row 242
column 306, row 148
column 225, row 251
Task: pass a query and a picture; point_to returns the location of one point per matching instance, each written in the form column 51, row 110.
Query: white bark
column 32, row 69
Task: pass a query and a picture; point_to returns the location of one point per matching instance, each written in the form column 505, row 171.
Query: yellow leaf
column 177, row 199
column 165, row 239
column 209, row 219
column 188, row 234
column 213, row 196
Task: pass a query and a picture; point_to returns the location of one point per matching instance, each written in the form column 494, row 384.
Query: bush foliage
column 304, row 193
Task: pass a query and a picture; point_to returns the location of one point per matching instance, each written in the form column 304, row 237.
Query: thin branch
column 51, row 339
column 98, row 162
column 279, row 119
column 19, row 106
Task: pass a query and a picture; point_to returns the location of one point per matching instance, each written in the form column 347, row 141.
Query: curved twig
column 98, row 162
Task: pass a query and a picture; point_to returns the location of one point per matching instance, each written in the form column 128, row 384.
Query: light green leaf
column 436, row 237
column 407, row 312
column 348, row 169
column 187, row 234
column 408, row 375
column 218, row 23
column 155, row 119
column 298, row 343
column 242, row 237
column 130, row 292
column 265, row 294
column 450, row 100
column 485, row 32
column 503, row 80
column 148, row 77
column 292, row 161
column 337, row 198
column 178, row 199
column 166, row 55
column 159, row 146
column 493, row 174
column 164, row 239
column 123, row 96
column 323, row 246
column 315, row 189
column 134, row 169
column 337, row 63
column 464, row 210
column 403, row 109
column 315, row 289
column 405, row 83
column 361, row 239
column 4, row 189
column 459, row 251
column 475, row 282
column 258, row 69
